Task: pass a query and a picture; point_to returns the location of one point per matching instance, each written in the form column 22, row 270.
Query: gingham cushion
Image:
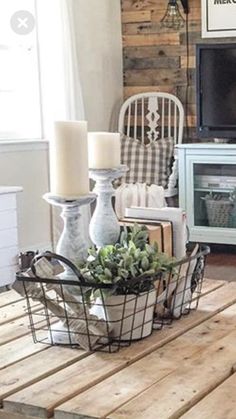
column 150, row 164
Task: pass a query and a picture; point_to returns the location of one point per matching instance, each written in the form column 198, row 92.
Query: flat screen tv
column 216, row 90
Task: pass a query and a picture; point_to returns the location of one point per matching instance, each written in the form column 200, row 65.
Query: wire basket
column 90, row 316
column 218, row 212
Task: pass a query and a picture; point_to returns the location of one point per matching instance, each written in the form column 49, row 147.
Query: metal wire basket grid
column 179, row 290
column 71, row 313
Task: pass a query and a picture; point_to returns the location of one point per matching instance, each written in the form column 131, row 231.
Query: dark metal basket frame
column 110, row 344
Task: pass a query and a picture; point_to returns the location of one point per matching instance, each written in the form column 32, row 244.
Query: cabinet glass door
column 214, row 195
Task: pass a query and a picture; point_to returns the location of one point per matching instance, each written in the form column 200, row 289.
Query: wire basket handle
column 50, row 255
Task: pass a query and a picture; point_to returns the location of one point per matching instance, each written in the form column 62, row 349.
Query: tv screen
column 216, row 90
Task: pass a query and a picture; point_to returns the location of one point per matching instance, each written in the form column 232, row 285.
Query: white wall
column 99, row 42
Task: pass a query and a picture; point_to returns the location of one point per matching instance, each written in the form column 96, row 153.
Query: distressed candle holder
column 104, row 227
column 71, row 243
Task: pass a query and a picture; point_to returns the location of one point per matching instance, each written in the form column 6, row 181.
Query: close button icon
column 22, row 22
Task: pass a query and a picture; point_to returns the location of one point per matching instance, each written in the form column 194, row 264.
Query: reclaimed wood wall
column 155, row 58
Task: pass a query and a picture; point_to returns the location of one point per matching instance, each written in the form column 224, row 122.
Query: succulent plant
column 131, row 258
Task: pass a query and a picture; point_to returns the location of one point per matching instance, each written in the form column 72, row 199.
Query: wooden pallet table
column 184, row 370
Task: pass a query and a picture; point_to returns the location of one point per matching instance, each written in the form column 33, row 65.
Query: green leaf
column 107, row 273
column 145, row 263
column 123, row 273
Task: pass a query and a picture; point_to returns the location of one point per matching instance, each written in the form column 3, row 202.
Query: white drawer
column 8, row 219
column 8, row 238
column 7, row 275
column 7, row 201
column 8, row 256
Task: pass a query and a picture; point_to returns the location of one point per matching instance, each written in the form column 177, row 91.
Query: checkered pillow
column 150, row 164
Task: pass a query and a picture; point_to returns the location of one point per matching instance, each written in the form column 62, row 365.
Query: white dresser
column 8, row 234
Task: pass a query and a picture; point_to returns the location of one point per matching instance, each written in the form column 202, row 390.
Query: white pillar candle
column 69, row 159
column 104, row 150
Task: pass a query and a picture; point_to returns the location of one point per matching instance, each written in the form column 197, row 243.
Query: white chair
column 149, row 117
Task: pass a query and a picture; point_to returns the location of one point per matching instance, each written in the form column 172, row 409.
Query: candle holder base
column 71, row 243
column 104, row 227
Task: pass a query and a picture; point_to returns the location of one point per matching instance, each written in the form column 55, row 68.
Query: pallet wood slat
column 140, row 16
column 15, row 310
column 176, row 393
column 37, row 367
column 150, row 63
column 147, row 371
column 5, row 415
column 18, row 349
column 153, row 51
column 191, row 62
column 210, row 285
column 132, row 5
column 14, row 329
column 9, row 297
column 142, row 28
column 162, row 76
column 37, row 400
column 153, row 39
column 219, row 404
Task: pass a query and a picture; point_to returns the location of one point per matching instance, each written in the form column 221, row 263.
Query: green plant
column 130, row 264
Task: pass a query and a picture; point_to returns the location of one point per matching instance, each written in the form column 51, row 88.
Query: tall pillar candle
column 69, row 159
column 104, row 150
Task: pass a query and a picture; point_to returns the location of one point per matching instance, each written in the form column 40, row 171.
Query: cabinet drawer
column 7, row 275
column 8, row 219
column 7, row 201
column 8, row 256
column 8, row 238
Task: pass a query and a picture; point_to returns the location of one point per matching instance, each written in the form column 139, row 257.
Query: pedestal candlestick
column 104, row 227
column 71, row 243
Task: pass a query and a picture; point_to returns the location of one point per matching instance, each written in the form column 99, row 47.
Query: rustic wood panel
column 155, row 59
column 177, row 77
column 188, row 62
column 140, row 16
column 150, row 63
column 153, row 51
column 134, row 5
column 151, row 39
